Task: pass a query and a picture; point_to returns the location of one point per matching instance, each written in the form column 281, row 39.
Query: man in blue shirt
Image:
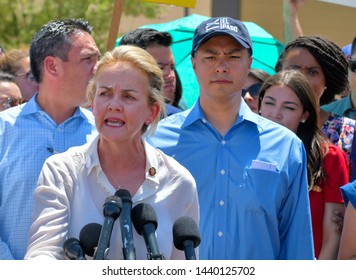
column 250, row 172
column 63, row 56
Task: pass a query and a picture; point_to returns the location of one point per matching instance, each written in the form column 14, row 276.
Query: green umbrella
column 266, row 50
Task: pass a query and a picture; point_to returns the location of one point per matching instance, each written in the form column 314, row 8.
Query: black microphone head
column 124, row 195
column 89, row 237
column 142, row 214
column 73, row 249
column 185, row 228
column 112, row 207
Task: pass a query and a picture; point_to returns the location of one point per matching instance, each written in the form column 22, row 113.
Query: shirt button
column 59, row 130
column 223, row 142
column 221, row 202
column 220, row 233
column 222, row 171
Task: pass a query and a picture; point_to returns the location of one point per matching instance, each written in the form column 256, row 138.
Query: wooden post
column 115, row 23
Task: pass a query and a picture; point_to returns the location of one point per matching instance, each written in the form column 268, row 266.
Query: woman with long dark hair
column 288, row 99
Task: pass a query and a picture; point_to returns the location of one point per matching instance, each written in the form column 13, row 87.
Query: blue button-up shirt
column 342, row 107
column 252, row 184
column 28, row 136
column 348, row 192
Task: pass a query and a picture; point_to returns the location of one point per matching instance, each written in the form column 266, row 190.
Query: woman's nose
column 115, row 103
column 276, row 114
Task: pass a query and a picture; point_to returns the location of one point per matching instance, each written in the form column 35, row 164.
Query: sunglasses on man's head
column 9, row 102
column 352, row 66
column 253, row 90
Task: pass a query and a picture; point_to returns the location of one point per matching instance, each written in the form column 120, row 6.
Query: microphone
column 73, row 249
column 111, row 209
column 128, row 247
column 186, row 236
column 145, row 222
column 89, row 238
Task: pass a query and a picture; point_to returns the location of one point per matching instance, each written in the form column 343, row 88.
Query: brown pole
column 115, row 23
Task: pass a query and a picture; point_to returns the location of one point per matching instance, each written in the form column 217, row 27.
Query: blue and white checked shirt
column 28, row 136
column 252, row 184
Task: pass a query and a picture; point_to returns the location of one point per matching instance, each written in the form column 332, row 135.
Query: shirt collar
column 347, row 106
column 92, row 157
column 152, row 162
column 340, row 107
column 32, row 107
column 245, row 113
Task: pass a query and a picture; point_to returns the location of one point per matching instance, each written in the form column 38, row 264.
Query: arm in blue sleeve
column 5, row 253
column 295, row 226
column 348, row 192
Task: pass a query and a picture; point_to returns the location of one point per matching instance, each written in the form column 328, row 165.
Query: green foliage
column 20, row 19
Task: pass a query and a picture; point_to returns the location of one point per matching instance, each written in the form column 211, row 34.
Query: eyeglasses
column 253, row 90
column 8, row 102
column 352, row 66
column 29, row 76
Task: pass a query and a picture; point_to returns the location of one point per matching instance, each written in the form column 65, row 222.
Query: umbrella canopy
column 266, row 50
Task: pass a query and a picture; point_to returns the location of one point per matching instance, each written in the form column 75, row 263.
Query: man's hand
column 294, row 5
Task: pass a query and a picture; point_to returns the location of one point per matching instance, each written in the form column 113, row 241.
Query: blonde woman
column 126, row 100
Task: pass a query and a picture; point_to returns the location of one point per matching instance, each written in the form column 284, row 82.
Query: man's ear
column 51, row 65
column 193, row 60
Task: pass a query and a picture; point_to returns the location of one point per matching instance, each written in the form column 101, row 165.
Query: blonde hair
column 143, row 61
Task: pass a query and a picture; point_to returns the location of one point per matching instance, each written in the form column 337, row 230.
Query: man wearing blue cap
column 250, row 172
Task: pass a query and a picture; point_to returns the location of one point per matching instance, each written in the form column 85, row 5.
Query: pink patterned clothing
column 340, row 131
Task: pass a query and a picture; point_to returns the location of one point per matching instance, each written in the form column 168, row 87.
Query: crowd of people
column 263, row 164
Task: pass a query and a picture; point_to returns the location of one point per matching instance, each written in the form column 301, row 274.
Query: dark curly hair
column 146, row 37
column 331, row 59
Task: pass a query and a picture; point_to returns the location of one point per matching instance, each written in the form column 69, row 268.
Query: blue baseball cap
column 221, row 26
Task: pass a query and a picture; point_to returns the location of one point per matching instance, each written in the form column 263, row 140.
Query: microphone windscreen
column 112, row 207
column 123, row 194
column 70, row 242
column 89, row 237
column 185, row 228
column 73, row 249
column 142, row 214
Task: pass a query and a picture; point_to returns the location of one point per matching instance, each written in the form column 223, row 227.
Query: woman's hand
column 338, row 219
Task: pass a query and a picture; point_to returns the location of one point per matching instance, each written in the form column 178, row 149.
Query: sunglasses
column 11, row 102
column 29, row 76
column 253, row 90
column 352, row 66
